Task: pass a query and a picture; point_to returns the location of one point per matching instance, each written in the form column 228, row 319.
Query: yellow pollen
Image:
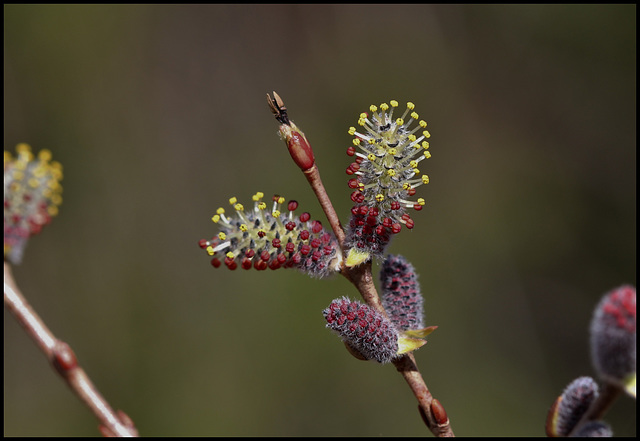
column 422, row 123
column 406, row 186
column 425, row 179
column 393, row 103
column 399, row 121
column 222, row 236
column 384, row 107
column 215, row 218
column 427, row 154
column 352, row 131
column 44, row 155
column 414, row 115
column 220, row 210
column 416, row 171
column 426, row 134
column 275, row 213
column 230, row 255
column 281, row 200
column 379, row 197
column 356, row 141
column 233, row 200
column 412, row 137
column 361, row 121
column 361, row 186
column 363, row 115
column 371, row 157
column 210, row 250
column 413, row 163
column 391, row 172
column 243, row 228
column 239, row 207
column 410, row 105
column 420, row 201
column 373, row 108
column 371, row 141
column 259, row 195
column 393, row 151
column 425, row 145
column 262, row 205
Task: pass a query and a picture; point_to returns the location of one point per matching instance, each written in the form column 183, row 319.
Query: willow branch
column 302, row 154
column 64, row 361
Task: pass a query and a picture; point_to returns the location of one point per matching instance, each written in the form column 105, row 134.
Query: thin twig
column 361, row 275
column 64, row 361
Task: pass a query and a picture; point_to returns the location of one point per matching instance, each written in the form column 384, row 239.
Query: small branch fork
column 64, row 362
column 431, row 411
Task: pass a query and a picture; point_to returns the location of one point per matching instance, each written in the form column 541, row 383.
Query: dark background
column 158, row 114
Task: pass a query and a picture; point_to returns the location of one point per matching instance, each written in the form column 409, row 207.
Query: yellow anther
column 414, row 115
column 361, row 121
column 391, row 172
column 371, row 141
column 427, row 154
column 363, row 115
column 222, row 236
column 392, row 151
column 356, row 141
column 426, row 134
column 56, row 199
column 262, row 205
column 420, row 201
column 393, row 103
column 233, row 200
column 243, row 228
column 379, row 197
column 52, row 210
column 422, row 123
column 276, row 213
column 239, row 207
column 259, row 195
column 360, row 186
column 425, row 179
column 371, row 157
column 281, row 200
column 33, row 182
column 384, row 107
column 425, row 145
column 373, row 108
column 352, row 131
column 230, row 255
column 220, row 210
column 215, row 218
column 413, row 163
column 412, row 137
column 262, row 232
column 416, row 171
column 44, row 155
column 399, row 121
column 406, row 186
column 210, row 250
column 23, row 148
column 410, row 105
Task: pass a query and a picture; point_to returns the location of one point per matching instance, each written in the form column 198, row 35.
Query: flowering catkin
column 262, row 238
column 401, row 295
column 385, row 175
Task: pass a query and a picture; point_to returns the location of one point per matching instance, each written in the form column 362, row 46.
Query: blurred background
column 158, row 114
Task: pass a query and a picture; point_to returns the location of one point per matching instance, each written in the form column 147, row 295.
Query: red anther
column 274, row 265
column 290, row 247
column 327, row 250
column 354, row 196
column 281, row 258
column 406, row 217
column 300, row 151
column 355, row 166
column 372, row 220
column 379, row 230
column 63, row 358
column 409, row 224
column 395, row 205
column 387, row 222
column 316, row 227
column 250, row 253
column 439, row 414
column 317, row 255
column 396, row 228
column 261, row 234
column 296, row 258
column 355, row 210
column 290, row 226
column 231, row 264
column 351, row 151
column 246, row 263
column 417, row 207
column 276, row 243
column 305, row 249
column 292, row 205
column 359, row 160
column 215, row 262
column 350, row 171
column 411, row 191
column 315, row 243
column 260, row 264
column 304, row 217
column 353, row 183
column 264, row 255
column 363, row 210
column 304, row 235
column 374, row 211
column 202, row 243
column 275, row 197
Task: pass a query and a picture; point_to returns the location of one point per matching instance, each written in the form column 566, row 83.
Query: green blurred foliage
column 158, row 114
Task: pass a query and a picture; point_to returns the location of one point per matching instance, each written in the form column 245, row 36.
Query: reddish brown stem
column 64, row 361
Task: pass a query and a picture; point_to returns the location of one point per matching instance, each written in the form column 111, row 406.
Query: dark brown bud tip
column 439, row 414
column 278, row 108
column 63, row 358
column 300, row 151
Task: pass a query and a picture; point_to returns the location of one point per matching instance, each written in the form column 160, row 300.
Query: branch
column 64, row 361
column 301, row 152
